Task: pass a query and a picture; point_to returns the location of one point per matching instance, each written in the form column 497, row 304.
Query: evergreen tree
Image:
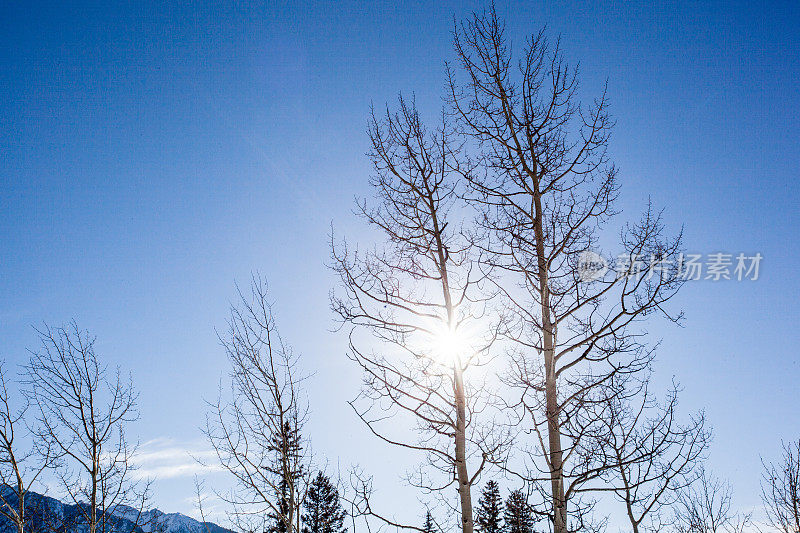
column 323, row 510
column 518, row 515
column 490, row 508
column 287, row 466
column 429, row 526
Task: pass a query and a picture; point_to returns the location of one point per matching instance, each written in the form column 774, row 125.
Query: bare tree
column 417, row 299
column 199, row 502
column 543, row 180
column 83, row 411
column 780, row 490
column 257, row 435
column 655, row 456
column 22, row 459
column 705, row 507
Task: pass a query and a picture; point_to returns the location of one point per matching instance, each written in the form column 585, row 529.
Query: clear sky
column 151, row 154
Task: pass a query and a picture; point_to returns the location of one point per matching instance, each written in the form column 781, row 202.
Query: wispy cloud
column 165, row 458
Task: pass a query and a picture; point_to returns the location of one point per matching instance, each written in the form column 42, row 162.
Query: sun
column 449, row 344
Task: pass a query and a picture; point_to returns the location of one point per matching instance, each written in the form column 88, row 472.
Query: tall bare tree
column 257, row 434
column 22, row 458
column 417, row 299
column 655, row 456
column 780, row 490
column 82, row 413
column 541, row 175
column 705, row 507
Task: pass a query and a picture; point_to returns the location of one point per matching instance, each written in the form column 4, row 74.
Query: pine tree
column 490, row 508
column 287, row 466
column 323, row 510
column 429, row 526
column 518, row 515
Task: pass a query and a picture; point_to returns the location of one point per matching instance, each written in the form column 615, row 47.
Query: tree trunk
column 462, row 475
column 554, row 438
column 21, row 500
column 93, row 499
column 551, row 390
column 464, row 487
column 287, row 472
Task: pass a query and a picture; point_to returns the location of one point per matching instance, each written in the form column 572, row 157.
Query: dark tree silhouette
column 410, row 303
column 21, row 463
column 429, row 526
column 323, row 508
column 518, row 515
column 489, row 515
column 655, row 455
column 288, row 468
column 544, row 183
column 780, row 490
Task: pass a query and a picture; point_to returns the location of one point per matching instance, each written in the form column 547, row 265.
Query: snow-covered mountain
column 49, row 514
column 163, row 522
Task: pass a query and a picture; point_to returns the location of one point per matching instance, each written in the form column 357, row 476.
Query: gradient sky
column 152, row 154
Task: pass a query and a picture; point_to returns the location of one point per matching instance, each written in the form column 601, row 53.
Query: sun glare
column 449, row 345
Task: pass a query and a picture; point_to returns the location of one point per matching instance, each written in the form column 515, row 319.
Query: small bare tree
column 200, row 499
column 545, row 185
column 82, row 413
column 257, row 435
column 705, row 507
column 780, row 490
column 418, row 298
column 22, row 458
column 655, row 456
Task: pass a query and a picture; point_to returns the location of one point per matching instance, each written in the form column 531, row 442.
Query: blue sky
column 152, row 154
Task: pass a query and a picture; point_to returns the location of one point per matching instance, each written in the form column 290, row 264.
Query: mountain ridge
column 48, row 514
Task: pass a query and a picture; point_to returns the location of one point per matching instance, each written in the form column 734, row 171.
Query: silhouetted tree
column 545, row 185
column 518, row 515
column 429, row 526
column 83, row 412
column 286, row 449
column 418, row 296
column 780, row 490
column 323, row 508
column 489, row 515
column 21, row 461
column 705, row 507
column 257, row 434
column 655, row 456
